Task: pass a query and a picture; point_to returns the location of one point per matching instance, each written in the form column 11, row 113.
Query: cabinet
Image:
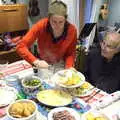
column 13, row 18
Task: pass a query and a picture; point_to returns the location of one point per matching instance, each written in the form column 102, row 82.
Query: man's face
column 109, row 47
column 57, row 23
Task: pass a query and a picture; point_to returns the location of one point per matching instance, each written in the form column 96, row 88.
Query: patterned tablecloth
column 80, row 104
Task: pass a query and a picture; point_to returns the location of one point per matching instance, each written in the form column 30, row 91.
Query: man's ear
column 118, row 50
column 101, row 43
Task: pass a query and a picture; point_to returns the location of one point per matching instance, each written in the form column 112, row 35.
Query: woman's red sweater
column 48, row 50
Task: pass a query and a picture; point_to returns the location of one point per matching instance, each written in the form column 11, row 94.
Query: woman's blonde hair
column 58, row 8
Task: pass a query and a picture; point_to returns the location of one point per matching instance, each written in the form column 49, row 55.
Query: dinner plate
column 84, row 90
column 54, row 98
column 86, row 93
column 59, row 109
column 7, row 95
column 68, row 74
column 95, row 115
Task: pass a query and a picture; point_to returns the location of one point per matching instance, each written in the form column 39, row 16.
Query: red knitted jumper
column 48, row 50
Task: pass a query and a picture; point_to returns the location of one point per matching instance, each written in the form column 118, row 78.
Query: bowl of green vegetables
column 31, row 85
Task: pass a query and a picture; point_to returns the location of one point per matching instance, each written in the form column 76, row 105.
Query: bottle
column 35, row 70
column 85, row 44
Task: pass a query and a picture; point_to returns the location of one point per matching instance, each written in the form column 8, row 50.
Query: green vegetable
column 33, row 82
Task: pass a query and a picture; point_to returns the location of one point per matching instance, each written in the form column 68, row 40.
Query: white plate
column 84, row 94
column 56, row 78
column 7, row 95
column 87, row 93
column 94, row 115
column 85, row 89
column 72, row 111
column 55, row 98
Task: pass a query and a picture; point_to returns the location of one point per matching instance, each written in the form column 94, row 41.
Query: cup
column 13, row 81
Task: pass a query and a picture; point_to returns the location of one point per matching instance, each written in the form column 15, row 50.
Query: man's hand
column 40, row 64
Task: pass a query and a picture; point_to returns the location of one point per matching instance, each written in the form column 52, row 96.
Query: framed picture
column 7, row 1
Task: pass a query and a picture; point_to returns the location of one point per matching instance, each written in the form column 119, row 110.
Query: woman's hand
column 17, row 40
column 40, row 64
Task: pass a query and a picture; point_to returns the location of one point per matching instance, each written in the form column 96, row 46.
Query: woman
column 56, row 39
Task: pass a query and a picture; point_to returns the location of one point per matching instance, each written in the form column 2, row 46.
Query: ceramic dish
column 72, row 112
column 68, row 78
column 85, row 89
column 94, row 115
column 31, row 85
column 7, row 95
column 54, row 98
column 39, row 116
column 23, row 109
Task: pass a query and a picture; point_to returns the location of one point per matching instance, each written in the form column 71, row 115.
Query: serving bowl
column 23, row 109
column 31, row 85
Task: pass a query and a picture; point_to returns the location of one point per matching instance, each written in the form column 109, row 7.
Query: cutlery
column 92, row 95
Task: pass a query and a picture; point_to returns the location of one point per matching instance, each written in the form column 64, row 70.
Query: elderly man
column 102, row 67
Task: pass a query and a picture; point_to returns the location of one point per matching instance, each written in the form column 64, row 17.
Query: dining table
column 23, row 69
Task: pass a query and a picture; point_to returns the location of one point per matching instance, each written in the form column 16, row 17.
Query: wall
column 43, row 6
column 114, row 13
column 73, row 12
column 96, row 10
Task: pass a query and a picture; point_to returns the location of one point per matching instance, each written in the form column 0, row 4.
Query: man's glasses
column 108, row 46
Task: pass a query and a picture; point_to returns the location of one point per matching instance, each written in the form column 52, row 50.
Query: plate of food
column 7, row 95
column 63, row 113
column 54, row 98
column 69, row 78
column 23, row 109
column 94, row 115
column 84, row 90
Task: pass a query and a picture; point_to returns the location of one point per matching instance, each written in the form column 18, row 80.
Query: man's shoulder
column 117, row 58
column 95, row 51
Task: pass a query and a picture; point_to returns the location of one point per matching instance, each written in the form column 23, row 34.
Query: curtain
column 73, row 12
column 88, row 10
column 95, row 10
